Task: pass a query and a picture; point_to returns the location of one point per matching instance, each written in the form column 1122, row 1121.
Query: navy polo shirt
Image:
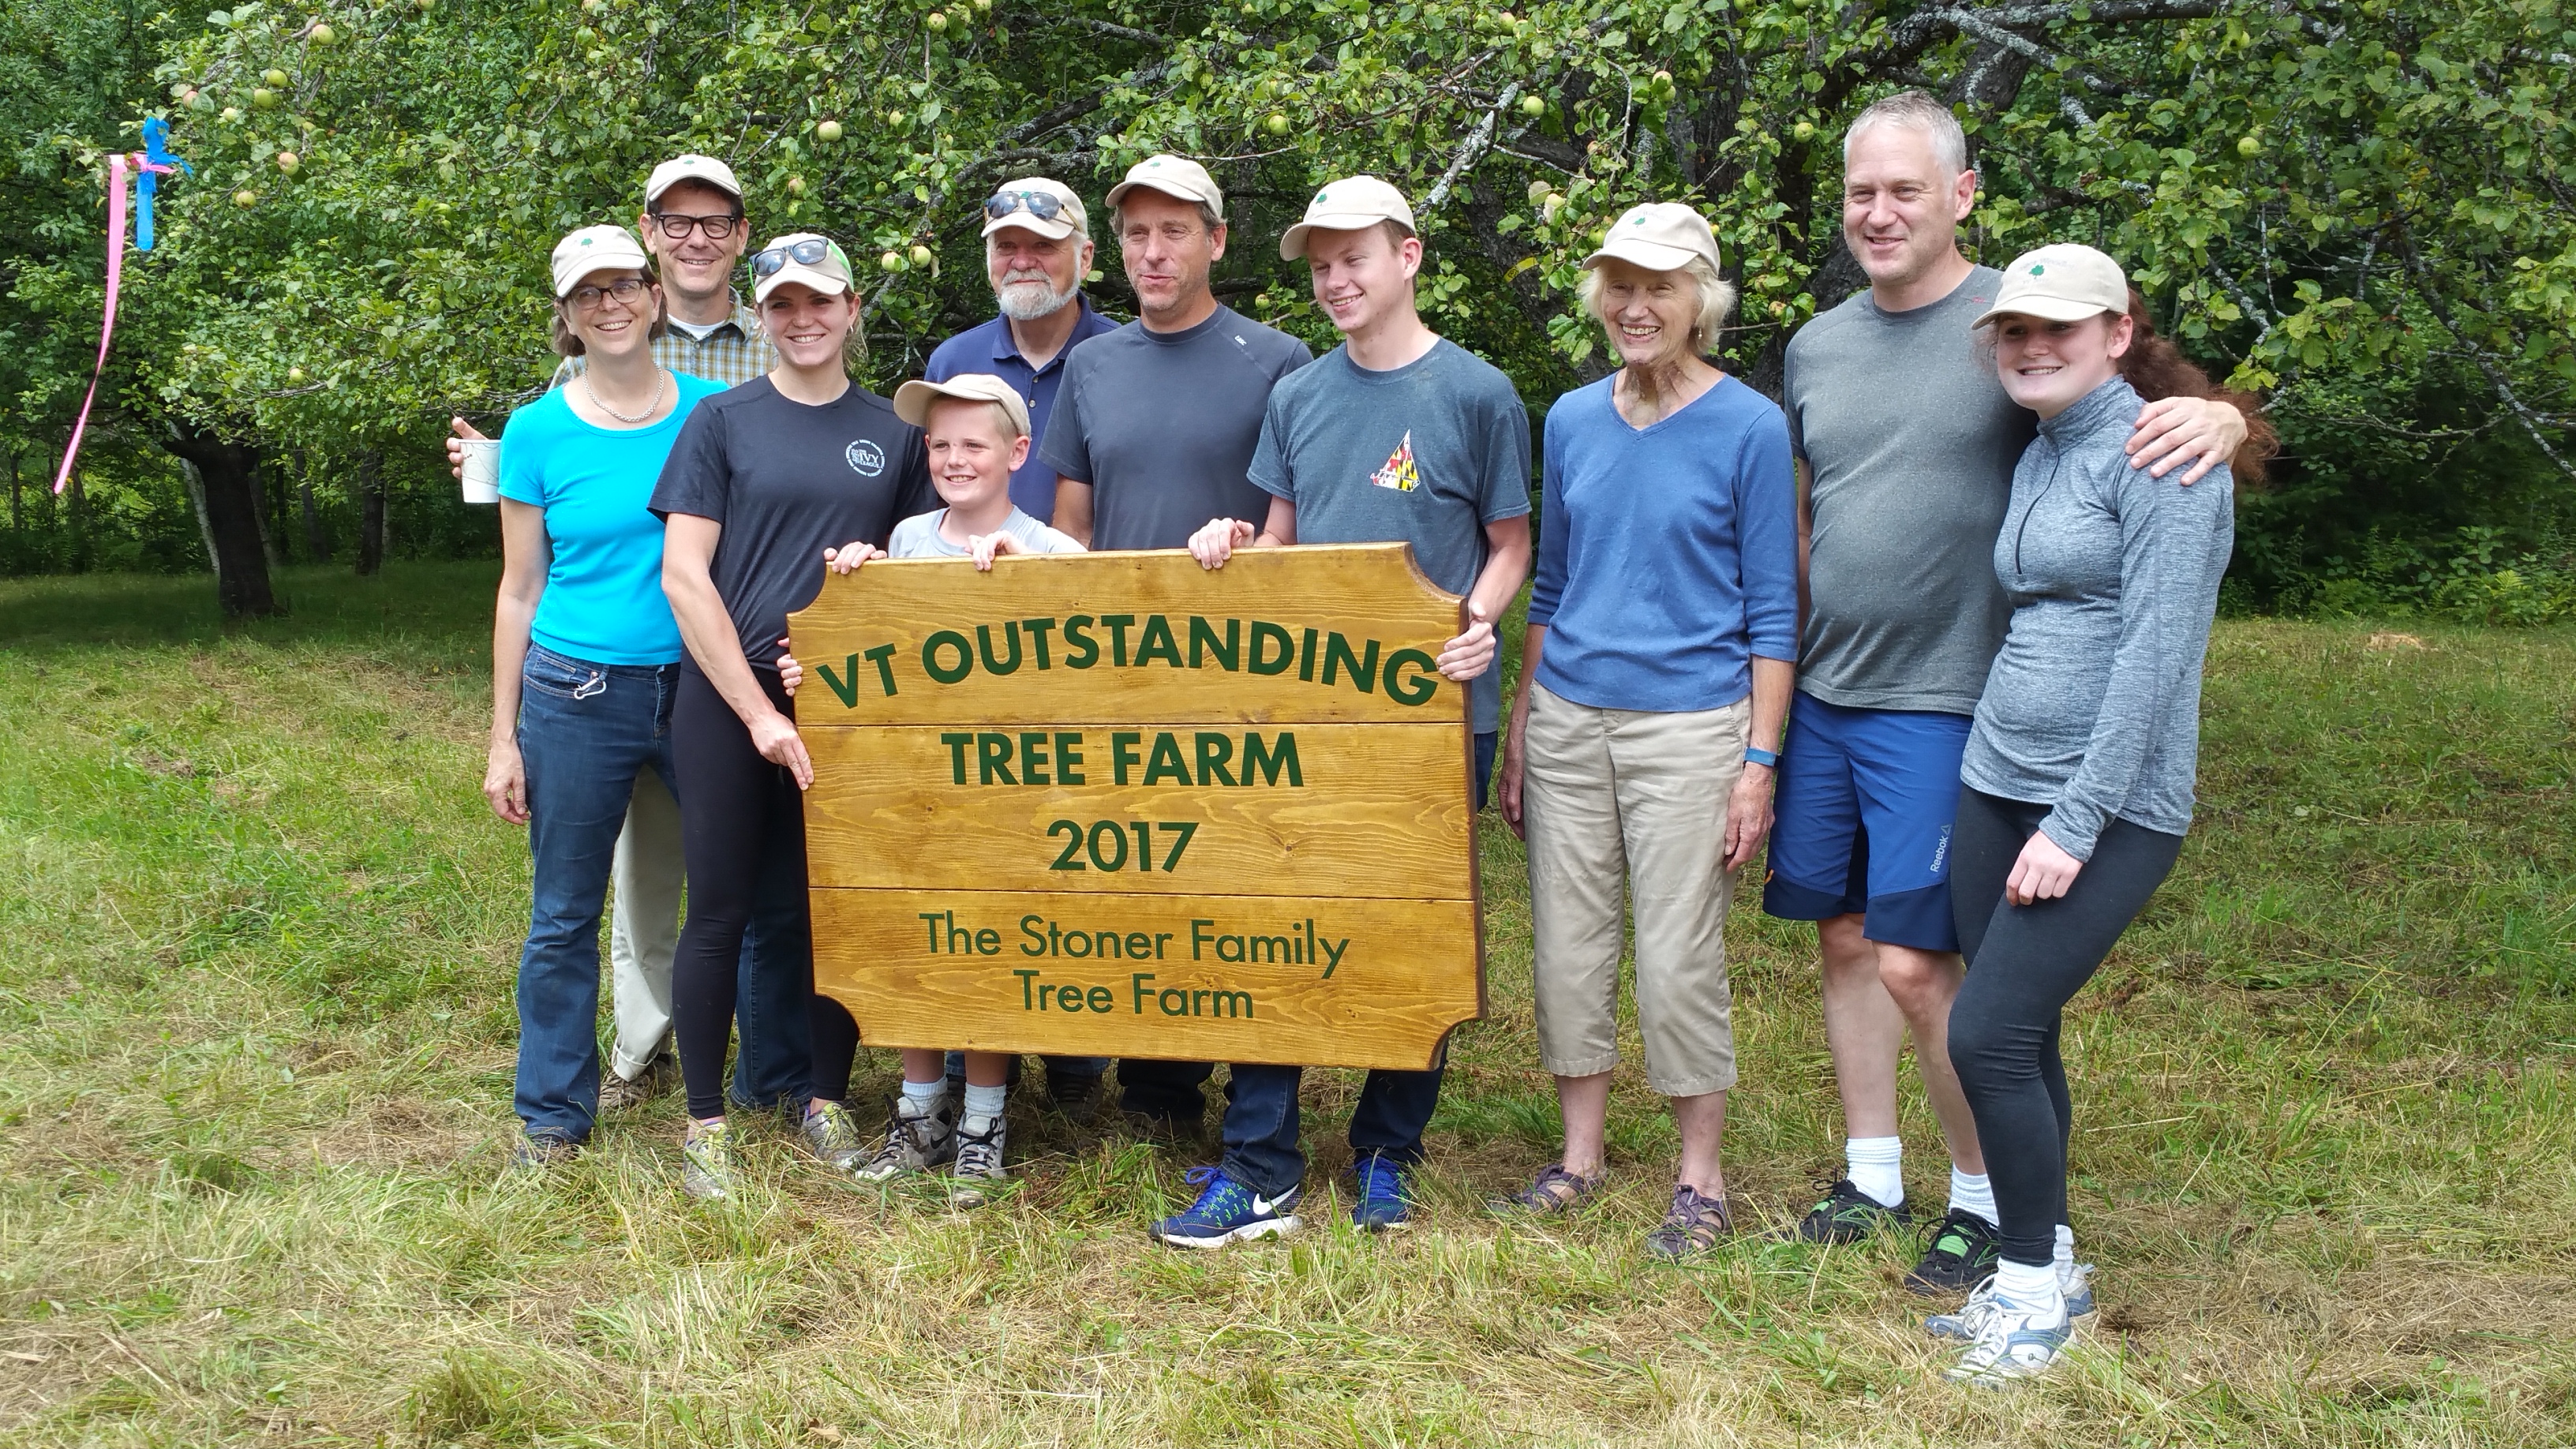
column 990, row 348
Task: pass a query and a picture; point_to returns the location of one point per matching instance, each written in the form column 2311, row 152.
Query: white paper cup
column 482, row 476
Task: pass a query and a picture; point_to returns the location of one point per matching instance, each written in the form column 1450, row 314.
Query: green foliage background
column 2361, row 209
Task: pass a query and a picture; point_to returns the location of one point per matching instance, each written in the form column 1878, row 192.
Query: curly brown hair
column 2157, row 369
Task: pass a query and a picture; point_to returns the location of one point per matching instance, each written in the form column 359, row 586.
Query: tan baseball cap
column 592, row 249
column 1661, row 236
column 912, row 400
column 802, row 256
column 1350, row 204
column 1069, row 219
column 2066, row 282
column 1173, row 176
column 691, row 167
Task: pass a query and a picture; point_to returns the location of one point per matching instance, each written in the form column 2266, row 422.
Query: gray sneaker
column 978, row 1176
column 706, row 1161
column 832, row 1135
column 918, row 1138
column 622, row 1094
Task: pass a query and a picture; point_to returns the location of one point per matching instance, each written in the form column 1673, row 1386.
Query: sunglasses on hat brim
column 809, row 252
column 1042, row 205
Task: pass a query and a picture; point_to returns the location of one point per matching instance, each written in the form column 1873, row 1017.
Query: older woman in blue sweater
column 2077, row 785
column 1654, row 683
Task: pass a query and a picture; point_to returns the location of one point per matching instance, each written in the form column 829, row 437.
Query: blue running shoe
column 1226, row 1212
column 2075, row 1280
column 1382, row 1201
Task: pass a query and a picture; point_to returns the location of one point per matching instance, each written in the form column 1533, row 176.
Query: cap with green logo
column 1660, row 236
column 805, row 257
column 1173, row 176
column 1353, row 203
column 596, row 249
column 2065, row 282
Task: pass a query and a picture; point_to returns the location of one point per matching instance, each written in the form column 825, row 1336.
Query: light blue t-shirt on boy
column 603, row 601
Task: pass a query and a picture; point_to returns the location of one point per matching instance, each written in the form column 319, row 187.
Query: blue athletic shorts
column 1865, row 804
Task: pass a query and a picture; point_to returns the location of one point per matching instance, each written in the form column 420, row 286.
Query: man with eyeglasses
column 694, row 226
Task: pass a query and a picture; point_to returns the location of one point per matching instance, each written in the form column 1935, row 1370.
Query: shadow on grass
column 448, row 602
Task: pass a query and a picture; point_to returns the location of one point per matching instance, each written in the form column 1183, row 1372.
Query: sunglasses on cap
column 1042, row 205
column 804, row 253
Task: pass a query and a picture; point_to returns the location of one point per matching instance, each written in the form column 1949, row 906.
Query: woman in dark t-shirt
column 765, row 480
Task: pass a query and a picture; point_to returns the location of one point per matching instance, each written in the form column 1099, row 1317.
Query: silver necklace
column 661, row 382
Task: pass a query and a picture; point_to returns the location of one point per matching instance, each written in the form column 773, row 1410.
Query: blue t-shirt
column 1667, row 555
column 991, row 348
column 603, row 601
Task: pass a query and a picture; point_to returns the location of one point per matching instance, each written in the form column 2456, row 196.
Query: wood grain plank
column 1406, row 973
column 1380, row 811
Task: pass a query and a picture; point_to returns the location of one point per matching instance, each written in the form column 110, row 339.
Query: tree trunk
column 205, row 525
column 228, row 477
column 317, row 539
column 17, row 522
column 371, row 513
column 272, row 514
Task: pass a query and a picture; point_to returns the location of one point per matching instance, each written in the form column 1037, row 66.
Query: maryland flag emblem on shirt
column 1398, row 471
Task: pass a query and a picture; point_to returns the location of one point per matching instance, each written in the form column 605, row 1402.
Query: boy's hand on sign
column 849, row 556
column 505, row 782
column 790, row 673
column 985, row 547
column 1216, row 543
column 1470, row 654
column 775, row 737
column 460, row 430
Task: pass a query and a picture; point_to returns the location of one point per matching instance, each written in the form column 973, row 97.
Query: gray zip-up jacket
column 2093, row 707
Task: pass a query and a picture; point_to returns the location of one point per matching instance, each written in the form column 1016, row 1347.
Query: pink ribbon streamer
column 116, row 167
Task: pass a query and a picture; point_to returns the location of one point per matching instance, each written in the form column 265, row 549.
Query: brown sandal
column 1555, row 1193
column 1694, row 1226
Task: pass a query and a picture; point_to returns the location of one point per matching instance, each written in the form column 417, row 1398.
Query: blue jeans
column 1261, row 1149
column 585, row 732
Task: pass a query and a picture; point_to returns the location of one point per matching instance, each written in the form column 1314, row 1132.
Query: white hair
column 1920, row 112
column 1716, row 302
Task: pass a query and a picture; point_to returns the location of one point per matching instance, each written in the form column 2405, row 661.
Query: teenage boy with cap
column 1037, row 250
column 1152, row 436
column 1396, row 435
column 693, row 224
column 1905, row 443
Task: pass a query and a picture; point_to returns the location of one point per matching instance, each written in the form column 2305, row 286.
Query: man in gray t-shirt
column 1906, row 443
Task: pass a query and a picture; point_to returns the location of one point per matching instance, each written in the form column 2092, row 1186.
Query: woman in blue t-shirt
column 585, row 655
column 1654, row 681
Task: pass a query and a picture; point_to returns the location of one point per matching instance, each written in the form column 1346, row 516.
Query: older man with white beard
column 1037, row 250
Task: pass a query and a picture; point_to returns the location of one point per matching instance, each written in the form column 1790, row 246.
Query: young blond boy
column 976, row 427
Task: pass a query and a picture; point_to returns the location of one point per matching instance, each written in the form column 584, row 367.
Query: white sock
column 1973, row 1192
column 927, row 1093
column 2026, row 1286
column 985, row 1101
column 2065, row 1250
column 1875, row 1165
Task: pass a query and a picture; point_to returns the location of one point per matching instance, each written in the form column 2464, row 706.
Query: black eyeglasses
column 1042, row 205
column 623, row 289
column 677, row 225
column 805, row 253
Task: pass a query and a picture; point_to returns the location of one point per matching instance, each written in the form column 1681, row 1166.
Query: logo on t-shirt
column 1398, row 471
column 866, row 458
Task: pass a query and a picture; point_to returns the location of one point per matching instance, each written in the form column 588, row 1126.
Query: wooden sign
column 1114, row 804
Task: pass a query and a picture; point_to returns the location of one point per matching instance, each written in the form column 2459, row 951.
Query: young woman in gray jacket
column 2077, row 785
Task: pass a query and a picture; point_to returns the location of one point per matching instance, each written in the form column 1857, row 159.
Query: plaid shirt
column 736, row 352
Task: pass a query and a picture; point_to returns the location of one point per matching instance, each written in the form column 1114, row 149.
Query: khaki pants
column 644, row 925
column 1613, row 795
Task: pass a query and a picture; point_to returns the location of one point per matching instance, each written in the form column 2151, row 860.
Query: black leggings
column 2024, row 964
column 742, row 826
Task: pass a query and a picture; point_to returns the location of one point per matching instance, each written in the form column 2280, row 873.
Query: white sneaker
column 978, row 1175
column 918, row 1137
column 2014, row 1340
column 2074, row 1280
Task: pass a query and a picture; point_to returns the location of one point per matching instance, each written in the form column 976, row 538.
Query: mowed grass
column 257, row 936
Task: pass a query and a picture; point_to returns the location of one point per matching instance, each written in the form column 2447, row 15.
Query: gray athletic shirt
column 1162, row 425
column 2094, row 707
column 919, row 536
column 1425, row 454
column 1911, row 442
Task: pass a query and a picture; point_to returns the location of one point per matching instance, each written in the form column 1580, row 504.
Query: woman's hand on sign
column 774, row 735
column 1470, row 654
column 2042, row 873
column 790, row 673
column 461, row 430
column 849, row 556
column 1748, row 813
column 1216, row 543
column 986, row 547
column 505, row 782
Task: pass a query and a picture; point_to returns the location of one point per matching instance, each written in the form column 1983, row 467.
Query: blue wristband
column 1769, row 759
